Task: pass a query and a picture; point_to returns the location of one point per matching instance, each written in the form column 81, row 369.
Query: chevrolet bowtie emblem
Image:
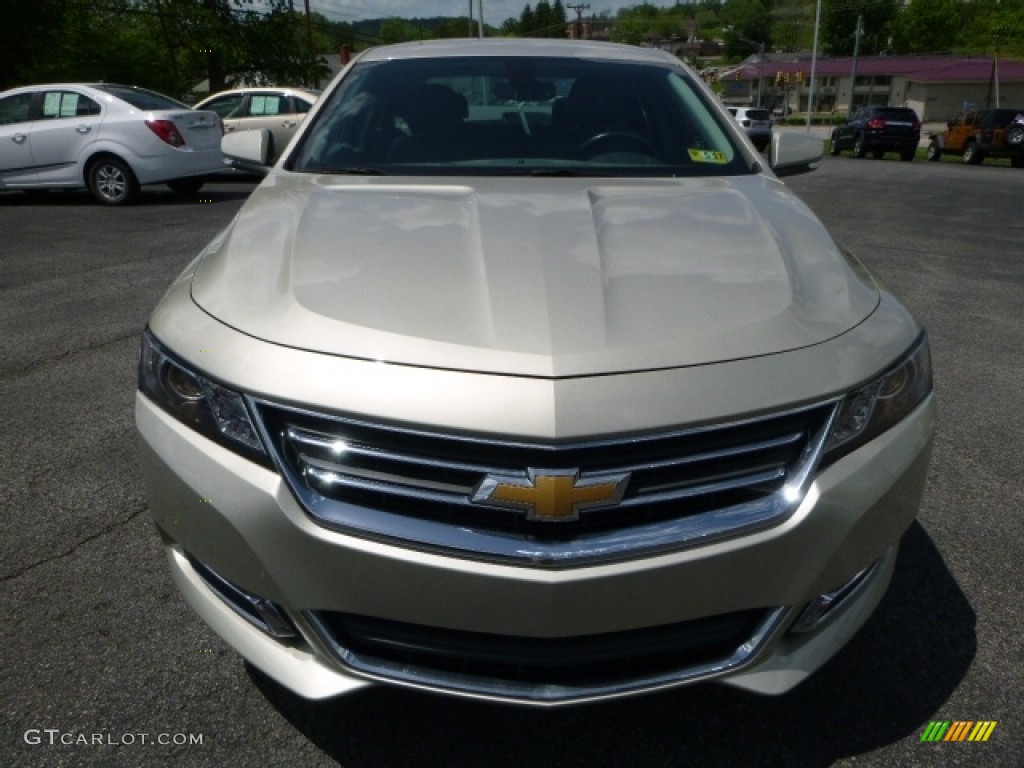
column 553, row 495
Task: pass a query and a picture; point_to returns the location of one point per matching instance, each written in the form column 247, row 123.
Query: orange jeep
column 981, row 133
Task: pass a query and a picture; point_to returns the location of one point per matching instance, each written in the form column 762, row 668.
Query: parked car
column 757, row 124
column 107, row 138
column 878, row 130
column 542, row 400
column 977, row 134
column 278, row 109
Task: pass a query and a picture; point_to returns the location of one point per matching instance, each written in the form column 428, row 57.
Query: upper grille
column 417, row 486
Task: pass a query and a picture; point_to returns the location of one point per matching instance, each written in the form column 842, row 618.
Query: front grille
column 548, row 669
column 424, row 489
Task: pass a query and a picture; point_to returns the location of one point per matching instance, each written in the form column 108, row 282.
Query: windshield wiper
column 359, row 171
column 555, row 172
column 353, row 171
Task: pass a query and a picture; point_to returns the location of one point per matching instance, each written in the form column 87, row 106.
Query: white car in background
column 107, row 138
column 279, row 110
column 756, row 123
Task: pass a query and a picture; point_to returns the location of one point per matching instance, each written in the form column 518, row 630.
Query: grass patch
column 922, row 156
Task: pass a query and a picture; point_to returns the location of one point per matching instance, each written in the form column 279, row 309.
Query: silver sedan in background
column 522, row 377
column 109, row 139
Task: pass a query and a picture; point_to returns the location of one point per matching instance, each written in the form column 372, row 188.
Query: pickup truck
column 981, row 133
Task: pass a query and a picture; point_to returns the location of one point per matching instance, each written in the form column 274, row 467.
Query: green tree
column 749, row 19
column 558, row 20
column 637, row 24
column 527, row 22
column 991, row 25
column 928, row 26
column 839, row 22
column 395, row 30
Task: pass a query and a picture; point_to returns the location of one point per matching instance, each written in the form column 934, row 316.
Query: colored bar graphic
column 935, row 730
column 959, row 730
column 982, row 731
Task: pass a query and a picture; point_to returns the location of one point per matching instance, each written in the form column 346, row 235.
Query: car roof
column 268, row 89
column 518, row 47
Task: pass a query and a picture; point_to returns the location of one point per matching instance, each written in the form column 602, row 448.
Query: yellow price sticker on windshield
column 708, row 156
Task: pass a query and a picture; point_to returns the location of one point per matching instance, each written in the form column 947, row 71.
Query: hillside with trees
column 172, row 45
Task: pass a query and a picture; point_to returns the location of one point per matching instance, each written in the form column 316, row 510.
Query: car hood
column 532, row 277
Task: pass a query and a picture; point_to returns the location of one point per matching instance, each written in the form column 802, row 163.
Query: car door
column 17, row 167
column 961, row 130
column 276, row 112
column 845, row 132
column 68, row 123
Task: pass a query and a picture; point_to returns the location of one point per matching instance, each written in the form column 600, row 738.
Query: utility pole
column 857, row 33
column 312, row 53
column 579, row 18
column 814, row 66
column 760, row 63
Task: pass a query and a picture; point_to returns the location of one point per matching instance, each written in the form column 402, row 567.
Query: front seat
column 434, row 115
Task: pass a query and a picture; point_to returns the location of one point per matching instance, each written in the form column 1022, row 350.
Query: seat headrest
column 434, row 108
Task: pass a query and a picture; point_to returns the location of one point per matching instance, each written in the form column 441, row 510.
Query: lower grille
column 542, row 669
column 532, row 502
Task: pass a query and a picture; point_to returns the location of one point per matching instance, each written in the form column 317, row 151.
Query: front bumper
column 221, row 512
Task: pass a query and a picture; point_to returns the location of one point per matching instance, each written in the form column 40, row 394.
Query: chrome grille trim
column 263, row 614
column 403, row 673
column 415, row 487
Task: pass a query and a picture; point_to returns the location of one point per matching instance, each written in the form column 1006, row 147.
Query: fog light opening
column 263, row 614
column 821, row 609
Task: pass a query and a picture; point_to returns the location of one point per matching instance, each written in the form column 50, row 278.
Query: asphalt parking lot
column 103, row 664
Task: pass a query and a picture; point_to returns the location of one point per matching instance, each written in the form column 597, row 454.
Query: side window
column 299, row 106
column 15, row 109
column 58, row 104
column 226, row 106
column 265, row 105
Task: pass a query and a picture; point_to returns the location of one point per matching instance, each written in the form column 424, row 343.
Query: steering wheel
column 615, row 141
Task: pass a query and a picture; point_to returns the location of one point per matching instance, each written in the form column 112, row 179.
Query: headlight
column 213, row 410
column 872, row 409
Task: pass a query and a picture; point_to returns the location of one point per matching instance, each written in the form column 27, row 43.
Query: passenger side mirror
column 247, row 150
column 793, row 153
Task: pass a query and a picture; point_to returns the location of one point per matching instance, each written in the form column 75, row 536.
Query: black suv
column 879, row 130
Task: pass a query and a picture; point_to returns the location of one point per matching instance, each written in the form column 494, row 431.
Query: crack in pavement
column 74, row 547
column 32, row 367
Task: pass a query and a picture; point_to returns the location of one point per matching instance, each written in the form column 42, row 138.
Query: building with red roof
column 933, row 86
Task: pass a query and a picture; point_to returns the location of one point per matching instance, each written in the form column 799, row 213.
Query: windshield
column 501, row 115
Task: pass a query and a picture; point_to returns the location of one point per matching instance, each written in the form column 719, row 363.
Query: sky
column 495, row 11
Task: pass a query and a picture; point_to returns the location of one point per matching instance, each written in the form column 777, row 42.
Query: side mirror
column 247, row 150
column 793, row 153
